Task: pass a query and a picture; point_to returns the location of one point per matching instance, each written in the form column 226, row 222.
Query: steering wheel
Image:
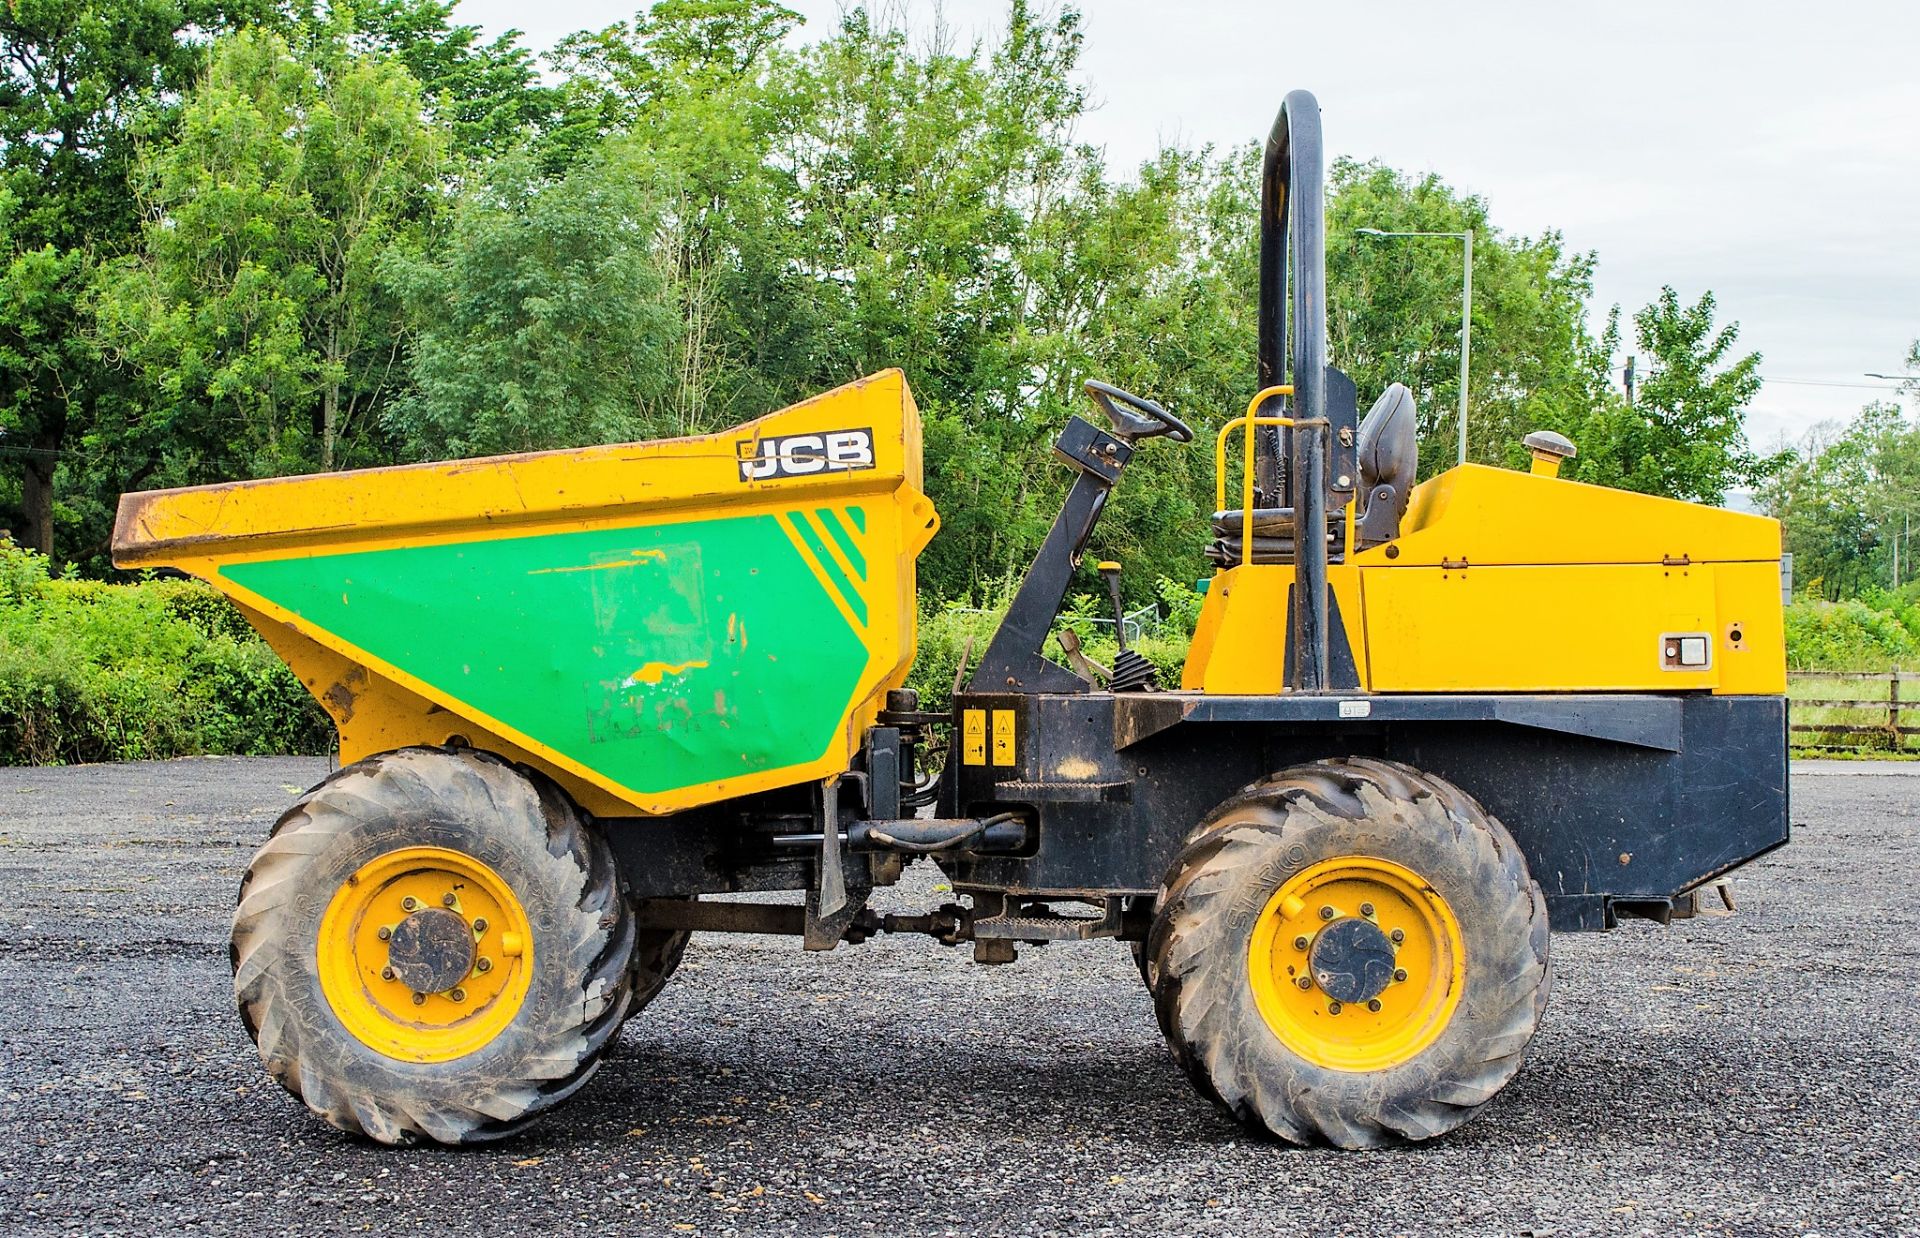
column 1140, row 418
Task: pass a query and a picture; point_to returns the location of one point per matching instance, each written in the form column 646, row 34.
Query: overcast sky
column 1767, row 151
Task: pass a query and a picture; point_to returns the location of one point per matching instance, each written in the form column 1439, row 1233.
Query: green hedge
column 91, row 671
column 1869, row 633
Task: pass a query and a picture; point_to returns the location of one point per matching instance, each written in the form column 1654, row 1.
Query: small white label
column 1355, row 709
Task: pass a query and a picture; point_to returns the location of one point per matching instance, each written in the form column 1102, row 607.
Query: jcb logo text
column 797, row 455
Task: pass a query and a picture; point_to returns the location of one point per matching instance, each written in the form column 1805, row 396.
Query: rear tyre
column 432, row 944
column 1351, row 953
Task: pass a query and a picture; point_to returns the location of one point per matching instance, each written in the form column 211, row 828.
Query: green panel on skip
column 662, row 657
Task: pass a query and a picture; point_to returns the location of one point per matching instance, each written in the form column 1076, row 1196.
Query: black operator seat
column 1389, row 456
column 1389, row 452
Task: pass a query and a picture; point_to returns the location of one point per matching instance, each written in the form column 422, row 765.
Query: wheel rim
column 1369, row 1001
column 432, row 918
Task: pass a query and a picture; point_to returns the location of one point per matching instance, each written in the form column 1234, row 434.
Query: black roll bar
column 1293, row 242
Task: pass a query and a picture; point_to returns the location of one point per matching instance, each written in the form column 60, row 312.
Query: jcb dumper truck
column 587, row 698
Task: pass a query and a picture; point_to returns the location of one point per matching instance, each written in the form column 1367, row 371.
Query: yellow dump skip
column 656, row 625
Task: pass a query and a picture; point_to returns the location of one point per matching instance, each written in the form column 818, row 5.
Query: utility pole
column 1466, row 337
column 1629, row 380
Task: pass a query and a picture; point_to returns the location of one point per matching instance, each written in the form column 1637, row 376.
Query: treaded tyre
column 656, row 956
column 433, row 944
column 1350, row 952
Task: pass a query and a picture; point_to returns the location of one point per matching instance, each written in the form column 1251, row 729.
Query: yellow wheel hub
column 425, row 954
column 1356, row 963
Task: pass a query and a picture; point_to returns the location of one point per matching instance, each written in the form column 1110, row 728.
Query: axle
column 995, row 925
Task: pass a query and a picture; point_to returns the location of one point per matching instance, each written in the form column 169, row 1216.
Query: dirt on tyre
column 656, row 956
column 1350, row 952
column 432, row 944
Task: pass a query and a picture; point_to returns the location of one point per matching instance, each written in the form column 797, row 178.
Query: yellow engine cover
column 1515, row 582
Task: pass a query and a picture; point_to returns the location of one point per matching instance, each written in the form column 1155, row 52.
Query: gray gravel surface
column 1755, row 1073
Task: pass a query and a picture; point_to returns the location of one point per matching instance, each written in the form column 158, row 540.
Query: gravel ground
column 1754, row 1073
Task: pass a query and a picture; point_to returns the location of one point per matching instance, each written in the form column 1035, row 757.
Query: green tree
column 542, row 320
column 1394, row 314
column 932, row 190
column 869, row 201
column 47, row 370
column 697, row 92
column 487, row 94
column 673, row 57
column 865, row 202
column 1684, row 436
column 79, row 80
column 1849, row 500
column 700, row 220
column 254, row 303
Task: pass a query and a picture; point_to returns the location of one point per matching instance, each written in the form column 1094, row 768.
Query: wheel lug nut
column 458, row 995
column 409, row 903
column 1333, row 1007
column 1398, row 935
column 1326, row 913
column 484, row 965
column 1399, row 973
column 479, row 926
column 1300, row 943
column 386, row 973
column 419, row 999
column 447, row 900
column 1374, row 1005
column 1306, row 982
column 385, row 932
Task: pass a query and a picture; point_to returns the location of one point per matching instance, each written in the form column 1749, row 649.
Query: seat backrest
column 1389, row 447
column 1389, row 457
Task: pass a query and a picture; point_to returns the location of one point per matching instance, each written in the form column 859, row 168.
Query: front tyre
column 1350, row 952
column 432, row 944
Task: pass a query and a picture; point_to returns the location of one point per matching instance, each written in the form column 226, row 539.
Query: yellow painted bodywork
column 1504, row 581
column 378, row 706
column 1414, row 1008
column 383, row 1013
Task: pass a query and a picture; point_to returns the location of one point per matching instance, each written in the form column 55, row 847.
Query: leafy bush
column 946, row 631
column 946, row 635
column 91, row 671
column 1869, row 633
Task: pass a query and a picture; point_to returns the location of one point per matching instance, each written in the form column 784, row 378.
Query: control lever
column 1131, row 671
column 1111, row 571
